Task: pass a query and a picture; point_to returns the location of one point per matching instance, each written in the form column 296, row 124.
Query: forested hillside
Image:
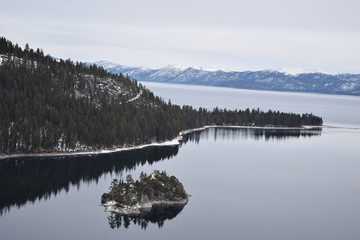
column 58, row 105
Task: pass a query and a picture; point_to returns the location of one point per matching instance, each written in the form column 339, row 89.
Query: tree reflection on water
column 158, row 215
column 258, row 134
column 28, row 179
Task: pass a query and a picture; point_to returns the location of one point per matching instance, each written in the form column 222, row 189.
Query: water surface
column 244, row 184
column 336, row 110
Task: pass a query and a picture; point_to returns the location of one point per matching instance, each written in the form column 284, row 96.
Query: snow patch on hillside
column 136, row 97
column 348, row 86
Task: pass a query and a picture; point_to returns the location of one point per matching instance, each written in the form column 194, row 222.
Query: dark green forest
column 49, row 104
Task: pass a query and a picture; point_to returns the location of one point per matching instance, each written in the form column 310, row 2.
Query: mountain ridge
column 293, row 80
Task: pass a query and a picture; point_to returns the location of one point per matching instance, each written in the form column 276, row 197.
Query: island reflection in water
column 29, row 179
column 158, row 215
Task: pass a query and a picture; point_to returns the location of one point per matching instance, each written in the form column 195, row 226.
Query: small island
column 138, row 198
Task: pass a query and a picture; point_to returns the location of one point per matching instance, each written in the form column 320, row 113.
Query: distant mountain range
column 316, row 82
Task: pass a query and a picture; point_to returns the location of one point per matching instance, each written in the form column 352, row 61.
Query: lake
column 336, row 110
column 244, row 183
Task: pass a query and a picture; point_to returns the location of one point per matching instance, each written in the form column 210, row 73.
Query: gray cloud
column 232, row 35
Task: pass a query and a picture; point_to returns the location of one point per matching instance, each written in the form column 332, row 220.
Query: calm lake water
column 336, row 110
column 244, row 183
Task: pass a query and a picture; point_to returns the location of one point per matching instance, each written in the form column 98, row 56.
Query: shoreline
column 175, row 141
column 141, row 208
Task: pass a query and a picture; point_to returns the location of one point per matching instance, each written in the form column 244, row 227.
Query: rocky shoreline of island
column 142, row 208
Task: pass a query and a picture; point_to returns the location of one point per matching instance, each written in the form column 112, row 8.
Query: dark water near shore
column 244, row 184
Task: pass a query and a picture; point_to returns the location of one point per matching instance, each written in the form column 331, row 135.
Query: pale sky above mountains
column 230, row 35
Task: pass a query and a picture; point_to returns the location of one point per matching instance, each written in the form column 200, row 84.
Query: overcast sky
column 231, row 35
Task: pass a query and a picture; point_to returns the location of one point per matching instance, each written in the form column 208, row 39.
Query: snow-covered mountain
column 282, row 80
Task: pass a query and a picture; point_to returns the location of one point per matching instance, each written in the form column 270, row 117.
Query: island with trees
column 140, row 197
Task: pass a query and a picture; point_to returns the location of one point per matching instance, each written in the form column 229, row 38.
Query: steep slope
column 258, row 80
column 56, row 105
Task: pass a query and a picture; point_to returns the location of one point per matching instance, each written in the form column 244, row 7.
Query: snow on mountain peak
column 106, row 64
column 143, row 68
column 298, row 71
column 173, row 67
column 203, row 69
